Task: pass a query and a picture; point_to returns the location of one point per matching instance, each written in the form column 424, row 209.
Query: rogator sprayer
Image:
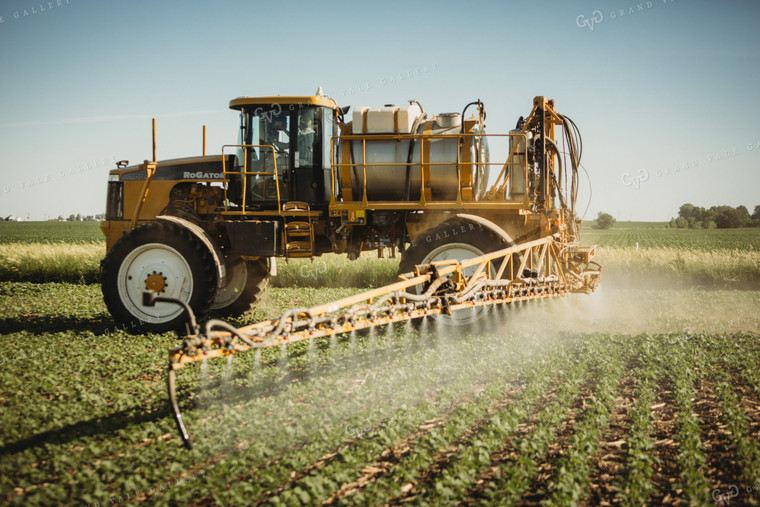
column 193, row 238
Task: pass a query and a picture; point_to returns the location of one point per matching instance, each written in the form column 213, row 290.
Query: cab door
column 311, row 155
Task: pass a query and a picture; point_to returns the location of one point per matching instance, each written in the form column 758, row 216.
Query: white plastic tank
column 388, row 119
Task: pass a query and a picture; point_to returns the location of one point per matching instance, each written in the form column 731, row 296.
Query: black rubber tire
column 192, row 250
column 255, row 287
column 454, row 230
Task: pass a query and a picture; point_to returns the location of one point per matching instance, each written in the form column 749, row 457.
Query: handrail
column 421, row 165
column 150, row 170
column 245, row 173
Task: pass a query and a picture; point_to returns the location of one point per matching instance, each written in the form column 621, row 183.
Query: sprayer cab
column 283, row 151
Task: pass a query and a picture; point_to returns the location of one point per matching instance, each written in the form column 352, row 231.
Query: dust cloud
column 636, row 311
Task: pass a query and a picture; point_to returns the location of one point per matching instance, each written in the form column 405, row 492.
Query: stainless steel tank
column 517, row 164
column 402, row 182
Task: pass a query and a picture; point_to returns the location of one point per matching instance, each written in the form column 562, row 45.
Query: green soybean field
column 645, row 392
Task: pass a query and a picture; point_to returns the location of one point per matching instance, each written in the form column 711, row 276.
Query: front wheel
column 163, row 258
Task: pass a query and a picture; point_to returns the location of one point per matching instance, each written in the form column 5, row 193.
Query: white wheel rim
column 460, row 252
column 147, row 265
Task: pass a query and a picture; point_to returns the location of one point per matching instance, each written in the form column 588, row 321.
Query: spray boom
column 544, row 270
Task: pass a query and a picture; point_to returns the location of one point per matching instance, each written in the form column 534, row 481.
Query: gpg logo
column 725, row 498
column 268, row 114
column 641, row 176
column 309, row 272
column 596, row 17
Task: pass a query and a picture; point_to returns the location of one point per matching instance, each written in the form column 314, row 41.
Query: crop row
column 448, row 462
column 404, row 409
column 441, row 415
column 635, row 485
column 275, row 422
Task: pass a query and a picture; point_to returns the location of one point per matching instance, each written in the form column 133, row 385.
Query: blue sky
column 665, row 93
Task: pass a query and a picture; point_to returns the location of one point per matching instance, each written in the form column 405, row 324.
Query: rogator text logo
column 202, row 176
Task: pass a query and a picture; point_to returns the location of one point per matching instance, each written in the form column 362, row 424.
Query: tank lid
column 448, row 120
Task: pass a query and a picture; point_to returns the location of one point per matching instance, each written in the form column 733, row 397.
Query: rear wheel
column 459, row 239
column 456, row 238
column 247, row 282
column 164, row 258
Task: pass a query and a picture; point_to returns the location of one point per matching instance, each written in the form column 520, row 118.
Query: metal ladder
column 299, row 233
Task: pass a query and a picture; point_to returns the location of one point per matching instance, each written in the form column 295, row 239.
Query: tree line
column 722, row 217
column 83, row 218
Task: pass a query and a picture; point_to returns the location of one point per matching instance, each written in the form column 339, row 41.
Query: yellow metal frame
column 284, row 100
column 446, row 289
column 150, row 169
column 552, row 119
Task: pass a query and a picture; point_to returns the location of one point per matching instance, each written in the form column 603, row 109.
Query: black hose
column 409, row 156
column 220, row 323
column 575, row 143
column 282, row 321
column 480, row 105
column 171, row 386
column 553, row 175
column 554, row 146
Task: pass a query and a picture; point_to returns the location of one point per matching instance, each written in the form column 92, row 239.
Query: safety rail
column 422, row 165
column 532, row 270
column 245, row 173
column 150, row 170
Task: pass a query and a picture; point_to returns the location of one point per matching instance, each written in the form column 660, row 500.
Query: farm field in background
column 717, row 258
column 633, row 394
column 622, row 234
column 658, row 235
column 50, row 232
